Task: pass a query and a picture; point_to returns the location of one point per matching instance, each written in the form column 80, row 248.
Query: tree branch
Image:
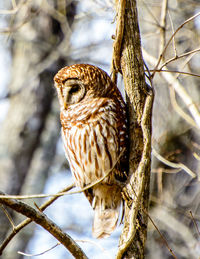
column 42, row 220
column 171, row 38
column 27, row 221
column 183, row 94
column 139, row 101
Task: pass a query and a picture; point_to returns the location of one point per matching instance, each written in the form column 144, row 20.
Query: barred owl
column 94, row 132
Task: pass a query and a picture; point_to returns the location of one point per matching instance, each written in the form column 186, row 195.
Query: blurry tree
column 30, row 131
column 39, row 36
column 176, row 123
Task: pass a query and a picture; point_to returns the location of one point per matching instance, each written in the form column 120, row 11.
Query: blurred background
column 37, row 39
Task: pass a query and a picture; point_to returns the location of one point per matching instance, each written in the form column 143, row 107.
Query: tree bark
column 139, row 102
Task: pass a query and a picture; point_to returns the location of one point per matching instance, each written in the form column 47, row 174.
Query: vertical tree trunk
column 139, row 101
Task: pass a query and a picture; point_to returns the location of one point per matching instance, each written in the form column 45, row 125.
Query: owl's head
column 78, row 82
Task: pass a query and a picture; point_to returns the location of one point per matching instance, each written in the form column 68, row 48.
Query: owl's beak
column 64, row 99
column 65, row 105
column 61, row 97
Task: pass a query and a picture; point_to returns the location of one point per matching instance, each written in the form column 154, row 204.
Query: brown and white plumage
column 94, row 132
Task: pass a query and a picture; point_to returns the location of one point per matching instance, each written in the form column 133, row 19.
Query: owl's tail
column 106, row 204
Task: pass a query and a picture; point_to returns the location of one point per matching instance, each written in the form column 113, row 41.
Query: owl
column 94, row 133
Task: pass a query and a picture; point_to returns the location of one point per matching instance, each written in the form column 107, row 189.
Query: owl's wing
column 92, row 149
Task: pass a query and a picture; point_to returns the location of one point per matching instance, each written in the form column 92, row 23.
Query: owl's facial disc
column 73, row 91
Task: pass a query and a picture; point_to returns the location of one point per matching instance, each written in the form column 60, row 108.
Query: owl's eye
column 74, row 89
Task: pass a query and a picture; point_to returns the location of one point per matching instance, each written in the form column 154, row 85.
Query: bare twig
column 161, row 235
column 196, row 226
column 176, row 71
column 174, row 165
column 45, row 205
column 196, row 156
column 156, row 21
column 65, row 193
column 178, row 57
column 178, row 109
column 163, row 19
column 42, row 220
column 15, row 8
column 14, row 4
column 179, row 89
column 159, row 183
column 161, row 170
column 8, row 216
column 169, row 41
column 174, row 42
column 29, row 16
column 44, row 252
column 27, row 221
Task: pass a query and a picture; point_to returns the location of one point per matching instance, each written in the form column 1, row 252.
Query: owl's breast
column 92, row 141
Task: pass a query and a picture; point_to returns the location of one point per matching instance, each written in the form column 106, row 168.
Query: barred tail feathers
column 107, row 206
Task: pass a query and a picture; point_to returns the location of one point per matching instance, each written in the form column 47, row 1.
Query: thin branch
column 8, row 216
column 161, row 235
column 178, row 29
column 163, row 19
column 14, row 4
column 178, row 57
column 176, row 71
column 45, row 205
column 174, row 165
column 29, row 16
column 196, row 156
column 32, row 196
column 160, row 184
column 44, row 252
column 174, row 42
column 149, row 76
column 196, row 226
column 179, row 89
column 66, row 193
column 42, row 220
column 156, row 22
column 180, row 111
column 161, row 170
column 15, row 8
column 27, row 221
